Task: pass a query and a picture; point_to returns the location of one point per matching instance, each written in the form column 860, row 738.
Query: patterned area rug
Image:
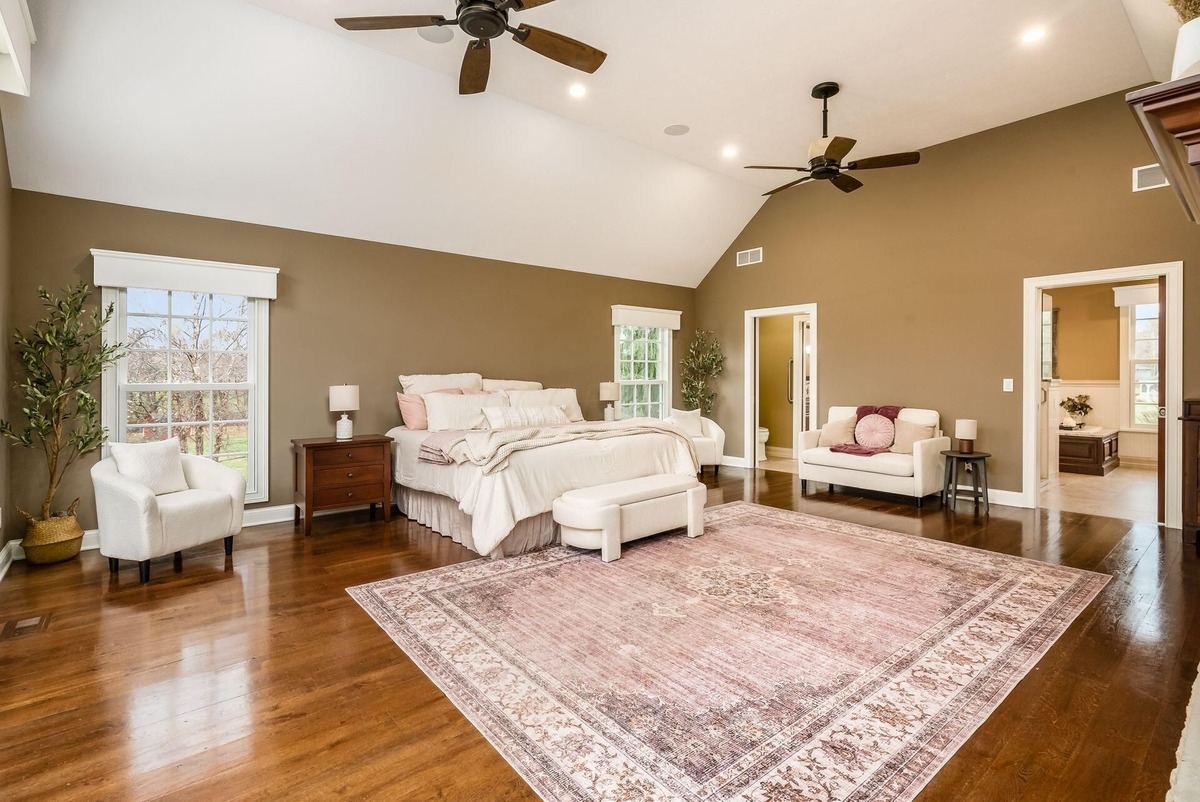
column 778, row 657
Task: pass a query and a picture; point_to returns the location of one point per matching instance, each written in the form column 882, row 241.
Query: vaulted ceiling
column 267, row 112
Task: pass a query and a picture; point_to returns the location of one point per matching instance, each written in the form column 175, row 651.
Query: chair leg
column 229, row 546
column 178, row 562
column 114, row 565
column 716, row 471
column 144, row 571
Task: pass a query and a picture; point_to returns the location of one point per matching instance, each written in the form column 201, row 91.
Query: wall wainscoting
column 1137, row 447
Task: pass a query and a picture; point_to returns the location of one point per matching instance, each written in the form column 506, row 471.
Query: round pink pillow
column 875, row 431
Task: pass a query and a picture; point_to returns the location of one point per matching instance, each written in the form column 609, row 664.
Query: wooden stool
column 977, row 459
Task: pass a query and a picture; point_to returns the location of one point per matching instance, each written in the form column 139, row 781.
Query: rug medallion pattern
column 780, row 656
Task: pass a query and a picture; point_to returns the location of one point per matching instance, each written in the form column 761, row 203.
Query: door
column 1047, row 417
column 1162, row 398
column 797, row 373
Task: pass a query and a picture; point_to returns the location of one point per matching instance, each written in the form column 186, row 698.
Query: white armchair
column 710, row 443
column 137, row 525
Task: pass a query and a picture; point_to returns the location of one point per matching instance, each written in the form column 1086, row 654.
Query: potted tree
column 63, row 356
column 702, row 363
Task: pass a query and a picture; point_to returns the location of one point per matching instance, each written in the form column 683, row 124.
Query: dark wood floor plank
column 260, row 677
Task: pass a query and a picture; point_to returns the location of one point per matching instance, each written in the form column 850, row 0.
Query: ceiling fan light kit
column 484, row 20
column 825, row 155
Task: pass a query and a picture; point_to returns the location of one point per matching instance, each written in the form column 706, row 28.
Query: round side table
column 978, row 461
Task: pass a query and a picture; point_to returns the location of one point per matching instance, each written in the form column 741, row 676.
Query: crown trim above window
column 122, row 270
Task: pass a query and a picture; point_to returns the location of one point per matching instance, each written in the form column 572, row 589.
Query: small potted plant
column 63, row 357
column 702, row 363
column 1077, row 408
column 1187, row 43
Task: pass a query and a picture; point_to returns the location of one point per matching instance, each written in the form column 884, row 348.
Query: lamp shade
column 343, row 398
column 609, row 391
column 966, row 429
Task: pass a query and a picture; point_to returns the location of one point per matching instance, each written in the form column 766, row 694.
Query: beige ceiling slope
column 913, row 73
column 223, row 109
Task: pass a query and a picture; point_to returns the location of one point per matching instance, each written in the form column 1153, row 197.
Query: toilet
column 760, row 452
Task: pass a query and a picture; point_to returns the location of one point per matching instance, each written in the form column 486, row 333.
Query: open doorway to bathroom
column 783, row 386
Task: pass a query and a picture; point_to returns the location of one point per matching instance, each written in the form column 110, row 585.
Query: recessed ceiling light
column 577, row 90
column 729, row 152
column 438, row 35
column 1033, row 35
column 676, row 130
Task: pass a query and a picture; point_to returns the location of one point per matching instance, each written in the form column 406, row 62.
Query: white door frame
column 1032, row 379
column 750, row 399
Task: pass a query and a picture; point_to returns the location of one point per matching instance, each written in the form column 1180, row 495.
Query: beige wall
column 6, row 193
column 774, row 351
column 918, row 276
column 1089, row 333
column 348, row 311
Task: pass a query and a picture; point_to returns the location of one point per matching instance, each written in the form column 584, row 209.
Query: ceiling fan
column 484, row 20
column 825, row 154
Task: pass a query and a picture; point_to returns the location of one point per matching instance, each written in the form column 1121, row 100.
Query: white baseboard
column 775, row 452
column 257, row 516
column 734, row 462
column 1006, row 498
column 6, row 558
column 1139, row 462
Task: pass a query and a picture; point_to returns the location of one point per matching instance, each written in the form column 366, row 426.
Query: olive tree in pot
column 63, row 356
column 702, row 363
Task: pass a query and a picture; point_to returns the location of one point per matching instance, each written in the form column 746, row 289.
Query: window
column 196, row 363
column 644, row 371
column 1142, row 395
column 642, row 360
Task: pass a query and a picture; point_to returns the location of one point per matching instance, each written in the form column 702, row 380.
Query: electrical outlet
column 1008, row 385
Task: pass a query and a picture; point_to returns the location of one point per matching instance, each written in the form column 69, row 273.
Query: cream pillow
column 495, row 385
column 837, row 432
column 422, row 383
column 505, row 417
column 908, row 433
column 158, row 466
column 458, row 412
column 689, row 421
column 555, row 397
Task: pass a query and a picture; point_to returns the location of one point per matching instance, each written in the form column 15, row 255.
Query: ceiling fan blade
column 388, row 23
column 562, row 49
column 838, row 147
column 521, row 5
column 890, row 160
column 846, row 183
column 788, row 186
column 772, row 167
column 476, row 66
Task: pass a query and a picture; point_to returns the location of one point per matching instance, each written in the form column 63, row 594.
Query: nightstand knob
column 350, row 455
column 349, row 495
column 350, row 476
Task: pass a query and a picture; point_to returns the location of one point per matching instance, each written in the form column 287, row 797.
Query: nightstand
column 330, row 473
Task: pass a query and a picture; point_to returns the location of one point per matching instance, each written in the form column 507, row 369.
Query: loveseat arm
column 127, row 511
column 709, row 428
column 808, row 440
column 201, row 472
column 929, row 466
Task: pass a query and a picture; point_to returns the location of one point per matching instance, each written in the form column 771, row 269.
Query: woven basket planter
column 53, row 541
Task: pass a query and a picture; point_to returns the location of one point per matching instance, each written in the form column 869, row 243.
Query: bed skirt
column 442, row 515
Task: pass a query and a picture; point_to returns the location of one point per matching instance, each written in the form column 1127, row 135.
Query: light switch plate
column 1008, row 385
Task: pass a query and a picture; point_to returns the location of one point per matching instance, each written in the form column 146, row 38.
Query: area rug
column 780, row 656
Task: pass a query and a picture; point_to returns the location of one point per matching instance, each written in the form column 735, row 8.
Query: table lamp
column 343, row 398
column 609, row 391
column 966, row 431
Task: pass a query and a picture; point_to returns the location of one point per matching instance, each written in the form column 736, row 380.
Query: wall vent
column 751, row 257
column 1149, row 177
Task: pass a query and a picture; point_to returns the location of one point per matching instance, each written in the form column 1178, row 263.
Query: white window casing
column 116, row 273
column 646, row 316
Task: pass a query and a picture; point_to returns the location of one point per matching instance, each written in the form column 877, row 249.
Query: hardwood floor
column 260, row 678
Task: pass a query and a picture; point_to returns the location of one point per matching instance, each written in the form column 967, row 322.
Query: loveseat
column 918, row 474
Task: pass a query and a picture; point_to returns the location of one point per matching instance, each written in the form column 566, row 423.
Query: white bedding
column 533, row 479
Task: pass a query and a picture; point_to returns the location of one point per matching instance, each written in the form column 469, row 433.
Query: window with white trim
column 196, row 365
column 1142, row 347
column 642, row 360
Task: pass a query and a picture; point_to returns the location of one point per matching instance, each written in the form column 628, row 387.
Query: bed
column 501, row 512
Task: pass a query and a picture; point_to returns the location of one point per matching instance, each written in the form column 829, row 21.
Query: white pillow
column 495, row 385
column 689, row 421
column 158, row 466
column 505, row 417
column 421, row 383
column 554, row 397
column 457, row 412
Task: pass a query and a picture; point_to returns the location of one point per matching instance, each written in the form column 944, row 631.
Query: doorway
column 781, row 385
column 1125, row 462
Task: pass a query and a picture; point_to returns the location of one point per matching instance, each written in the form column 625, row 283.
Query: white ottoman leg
column 610, row 534
column 695, row 510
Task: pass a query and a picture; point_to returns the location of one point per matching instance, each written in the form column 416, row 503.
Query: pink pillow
column 412, row 408
column 875, row 431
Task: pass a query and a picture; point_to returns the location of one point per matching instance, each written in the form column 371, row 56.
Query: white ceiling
column 267, row 112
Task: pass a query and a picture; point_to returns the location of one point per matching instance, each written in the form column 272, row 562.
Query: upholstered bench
column 605, row 516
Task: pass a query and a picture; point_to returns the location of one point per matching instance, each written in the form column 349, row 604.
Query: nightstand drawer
column 347, row 475
column 351, row 454
column 353, row 494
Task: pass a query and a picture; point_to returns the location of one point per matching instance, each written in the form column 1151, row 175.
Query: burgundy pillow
column 875, row 431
